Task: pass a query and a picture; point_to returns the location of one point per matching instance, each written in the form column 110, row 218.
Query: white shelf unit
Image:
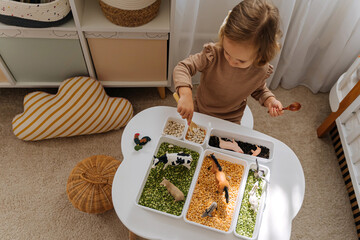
column 89, row 22
column 348, row 125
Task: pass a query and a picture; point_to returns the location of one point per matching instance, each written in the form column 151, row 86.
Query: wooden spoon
column 295, row 106
column 192, row 124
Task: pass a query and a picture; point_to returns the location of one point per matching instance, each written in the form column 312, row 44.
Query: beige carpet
column 33, row 175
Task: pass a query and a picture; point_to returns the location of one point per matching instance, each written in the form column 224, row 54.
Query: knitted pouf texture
column 89, row 184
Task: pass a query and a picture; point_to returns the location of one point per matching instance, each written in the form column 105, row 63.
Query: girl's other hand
column 185, row 105
column 274, row 107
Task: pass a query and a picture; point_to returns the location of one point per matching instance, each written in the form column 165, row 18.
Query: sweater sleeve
column 262, row 93
column 188, row 67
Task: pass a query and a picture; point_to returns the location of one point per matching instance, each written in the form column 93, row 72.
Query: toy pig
column 230, row 145
column 256, row 152
column 173, row 190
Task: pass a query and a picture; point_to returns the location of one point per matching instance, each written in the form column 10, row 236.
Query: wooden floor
column 335, row 137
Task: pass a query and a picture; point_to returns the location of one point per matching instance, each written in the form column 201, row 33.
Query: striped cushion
column 80, row 107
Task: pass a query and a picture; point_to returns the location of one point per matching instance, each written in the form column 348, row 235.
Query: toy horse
column 223, row 184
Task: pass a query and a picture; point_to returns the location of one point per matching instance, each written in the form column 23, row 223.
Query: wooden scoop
column 295, row 106
column 192, row 124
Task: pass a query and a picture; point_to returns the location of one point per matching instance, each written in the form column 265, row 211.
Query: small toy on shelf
column 223, row 184
column 140, row 142
column 209, row 210
column 230, row 145
column 173, row 190
column 174, row 159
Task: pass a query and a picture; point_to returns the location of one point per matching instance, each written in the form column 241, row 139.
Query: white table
column 283, row 202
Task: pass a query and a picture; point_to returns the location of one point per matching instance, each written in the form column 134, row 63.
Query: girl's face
column 239, row 55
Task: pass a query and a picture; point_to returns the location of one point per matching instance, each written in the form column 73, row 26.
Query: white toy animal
column 173, row 190
column 253, row 199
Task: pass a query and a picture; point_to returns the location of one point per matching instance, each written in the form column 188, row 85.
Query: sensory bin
column 245, row 146
column 241, row 145
column 206, row 192
column 156, row 196
column 248, row 216
column 197, row 135
column 200, row 199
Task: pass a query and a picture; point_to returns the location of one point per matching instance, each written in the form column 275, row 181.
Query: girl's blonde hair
column 257, row 21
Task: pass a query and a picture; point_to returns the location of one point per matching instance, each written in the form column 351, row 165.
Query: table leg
column 161, row 91
column 133, row 236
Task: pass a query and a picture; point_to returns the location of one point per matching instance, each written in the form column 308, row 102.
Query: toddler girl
column 235, row 67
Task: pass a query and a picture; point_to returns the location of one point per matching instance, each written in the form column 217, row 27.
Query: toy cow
column 173, row 190
column 174, row 159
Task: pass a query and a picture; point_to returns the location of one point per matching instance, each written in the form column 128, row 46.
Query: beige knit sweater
column 223, row 89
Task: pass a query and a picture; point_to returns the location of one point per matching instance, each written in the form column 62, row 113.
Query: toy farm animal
column 174, row 159
column 256, row 152
column 223, row 184
column 209, row 210
column 173, row 190
column 230, row 145
column 140, row 142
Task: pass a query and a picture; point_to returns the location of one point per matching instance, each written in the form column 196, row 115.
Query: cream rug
column 33, row 175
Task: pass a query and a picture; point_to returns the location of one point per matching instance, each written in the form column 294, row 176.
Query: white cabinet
column 89, row 44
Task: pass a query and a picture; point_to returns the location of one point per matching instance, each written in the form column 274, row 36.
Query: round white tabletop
column 284, row 197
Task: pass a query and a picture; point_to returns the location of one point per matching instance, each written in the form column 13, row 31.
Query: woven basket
column 35, row 15
column 130, row 13
column 89, row 184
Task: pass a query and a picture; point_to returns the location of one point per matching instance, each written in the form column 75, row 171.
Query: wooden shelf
column 88, row 21
column 94, row 20
column 68, row 26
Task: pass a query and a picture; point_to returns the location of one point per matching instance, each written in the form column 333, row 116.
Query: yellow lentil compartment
column 206, row 192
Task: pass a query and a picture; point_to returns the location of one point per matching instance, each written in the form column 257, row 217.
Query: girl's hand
column 185, row 105
column 274, row 107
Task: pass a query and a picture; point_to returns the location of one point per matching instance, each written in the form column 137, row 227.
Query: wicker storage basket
column 130, row 13
column 35, row 15
column 89, row 184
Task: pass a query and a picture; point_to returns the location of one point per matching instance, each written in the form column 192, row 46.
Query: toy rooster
column 140, row 142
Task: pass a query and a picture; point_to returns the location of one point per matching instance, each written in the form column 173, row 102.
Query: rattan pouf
column 89, row 184
column 130, row 13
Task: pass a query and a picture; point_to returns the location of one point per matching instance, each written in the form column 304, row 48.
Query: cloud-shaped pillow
column 80, row 107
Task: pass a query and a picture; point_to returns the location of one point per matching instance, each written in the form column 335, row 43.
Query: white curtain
column 320, row 38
